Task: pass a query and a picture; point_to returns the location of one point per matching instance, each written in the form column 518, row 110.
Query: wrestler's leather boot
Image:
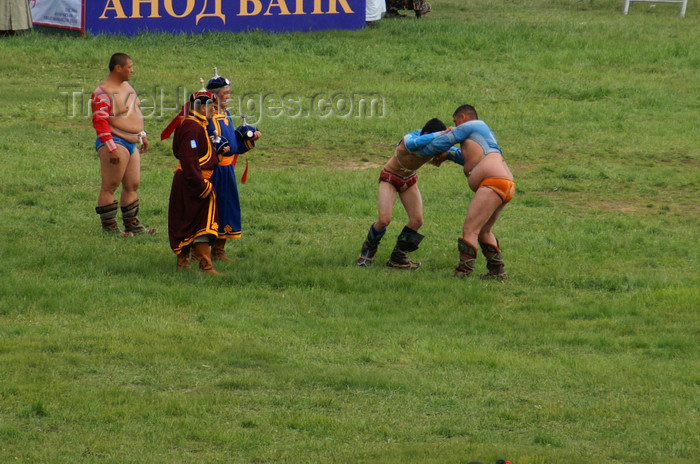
column 407, row 241
column 183, row 259
column 217, row 250
column 131, row 220
column 108, row 214
column 494, row 261
column 467, row 258
column 369, row 248
column 203, row 255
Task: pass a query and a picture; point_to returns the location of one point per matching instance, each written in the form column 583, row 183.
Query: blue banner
column 130, row 17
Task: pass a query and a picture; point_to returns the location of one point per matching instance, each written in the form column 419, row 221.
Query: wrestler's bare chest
column 126, row 108
column 404, row 162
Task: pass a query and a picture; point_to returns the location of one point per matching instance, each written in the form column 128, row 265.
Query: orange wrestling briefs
column 504, row 188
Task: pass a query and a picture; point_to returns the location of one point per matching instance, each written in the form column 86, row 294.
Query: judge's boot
column 467, row 258
column 407, row 241
column 369, row 248
column 494, row 262
column 203, row 255
column 108, row 214
column 131, row 220
column 217, row 250
column 183, row 259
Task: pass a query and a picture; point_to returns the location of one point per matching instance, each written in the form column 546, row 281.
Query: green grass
column 589, row 353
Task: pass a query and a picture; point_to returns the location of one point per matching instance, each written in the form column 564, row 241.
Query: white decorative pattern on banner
column 60, row 13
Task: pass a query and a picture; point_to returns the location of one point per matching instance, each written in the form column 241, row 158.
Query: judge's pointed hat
column 217, row 82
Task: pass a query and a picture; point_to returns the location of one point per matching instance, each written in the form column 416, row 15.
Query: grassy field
column 588, row 353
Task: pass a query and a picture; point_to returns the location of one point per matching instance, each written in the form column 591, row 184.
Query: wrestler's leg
column 409, row 238
column 413, row 203
column 485, row 234
column 112, row 173
column 130, row 200
column 385, row 202
column 467, row 258
column 131, row 179
column 483, row 209
column 370, row 246
column 385, row 205
column 491, row 249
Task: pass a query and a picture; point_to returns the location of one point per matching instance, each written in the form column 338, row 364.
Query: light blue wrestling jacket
column 418, row 145
column 476, row 130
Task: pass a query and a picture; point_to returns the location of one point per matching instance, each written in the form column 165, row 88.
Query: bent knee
column 110, row 187
column 130, row 186
column 384, row 220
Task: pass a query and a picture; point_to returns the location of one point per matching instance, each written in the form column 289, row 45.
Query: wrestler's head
column 121, row 65
column 202, row 103
column 434, row 125
column 463, row 114
column 220, row 87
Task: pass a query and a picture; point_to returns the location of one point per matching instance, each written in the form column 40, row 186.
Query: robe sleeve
column 189, row 144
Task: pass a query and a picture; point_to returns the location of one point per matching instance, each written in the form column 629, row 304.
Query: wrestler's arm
column 439, row 142
column 414, row 142
column 455, row 155
column 101, row 110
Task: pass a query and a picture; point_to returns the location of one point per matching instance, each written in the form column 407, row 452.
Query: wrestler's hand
column 114, row 157
column 256, row 135
column 225, row 150
column 438, row 159
column 144, row 145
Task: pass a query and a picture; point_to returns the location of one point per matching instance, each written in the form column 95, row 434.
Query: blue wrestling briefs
column 131, row 147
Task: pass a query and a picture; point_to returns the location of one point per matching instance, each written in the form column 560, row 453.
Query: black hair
column 469, row 110
column 434, row 125
column 118, row 59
